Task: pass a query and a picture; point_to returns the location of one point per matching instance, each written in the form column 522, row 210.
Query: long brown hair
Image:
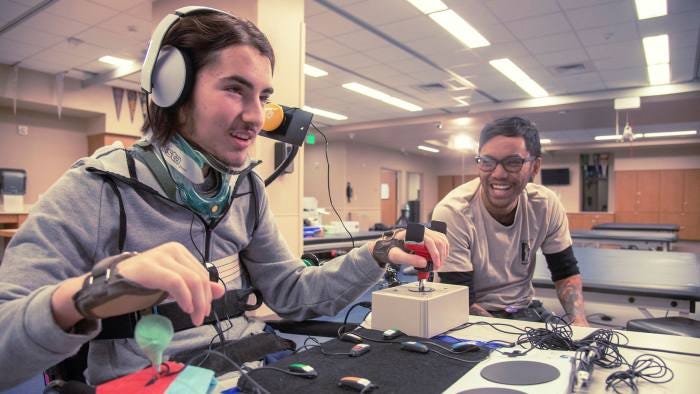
column 201, row 36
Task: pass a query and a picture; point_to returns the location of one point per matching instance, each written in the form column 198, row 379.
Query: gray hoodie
column 76, row 224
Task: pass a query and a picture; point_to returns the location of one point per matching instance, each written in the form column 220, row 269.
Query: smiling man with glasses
column 496, row 224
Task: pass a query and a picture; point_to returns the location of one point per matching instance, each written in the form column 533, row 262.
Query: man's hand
column 436, row 243
column 570, row 293
column 169, row 267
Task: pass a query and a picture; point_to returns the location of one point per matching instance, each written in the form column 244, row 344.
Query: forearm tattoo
column 570, row 293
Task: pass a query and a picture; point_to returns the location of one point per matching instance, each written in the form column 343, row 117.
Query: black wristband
column 384, row 245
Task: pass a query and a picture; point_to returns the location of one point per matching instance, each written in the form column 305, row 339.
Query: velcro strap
column 232, row 304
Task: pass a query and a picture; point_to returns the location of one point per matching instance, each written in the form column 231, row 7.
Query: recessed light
column 515, row 74
column 115, row 61
column 379, row 95
column 428, row 149
column 650, row 8
column 314, row 71
column 324, row 113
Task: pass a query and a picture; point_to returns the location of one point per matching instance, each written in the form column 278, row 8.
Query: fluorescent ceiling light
column 670, row 133
column 378, row 95
column 610, row 137
column 324, row 113
column 656, row 49
column 515, row 74
column 463, row 142
column 428, row 6
column 314, row 71
column 461, row 29
column 545, row 141
column 115, row 61
column 650, row 8
column 659, row 74
column 428, row 149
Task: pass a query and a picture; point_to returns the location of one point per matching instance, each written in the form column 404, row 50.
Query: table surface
column 685, row 368
column 363, row 235
column 626, row 235
column 637, row 226
column 638, row 271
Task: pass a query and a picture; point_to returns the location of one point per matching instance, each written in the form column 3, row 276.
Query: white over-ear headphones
column 167, row 74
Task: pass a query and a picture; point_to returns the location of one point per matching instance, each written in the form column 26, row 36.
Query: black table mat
column 386, row 365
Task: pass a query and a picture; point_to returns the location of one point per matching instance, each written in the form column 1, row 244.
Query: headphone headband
column 156, row 42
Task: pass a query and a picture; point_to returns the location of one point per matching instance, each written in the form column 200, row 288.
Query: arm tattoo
column 570, row 293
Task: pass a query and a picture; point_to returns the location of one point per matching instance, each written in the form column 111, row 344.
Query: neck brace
column 187, row 166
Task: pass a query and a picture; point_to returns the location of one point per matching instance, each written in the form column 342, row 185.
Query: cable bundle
column 646, row 366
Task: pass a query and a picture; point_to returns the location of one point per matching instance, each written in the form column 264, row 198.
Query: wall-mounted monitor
column 555, row 176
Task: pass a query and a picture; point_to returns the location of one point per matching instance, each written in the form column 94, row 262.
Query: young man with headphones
column 181, row 216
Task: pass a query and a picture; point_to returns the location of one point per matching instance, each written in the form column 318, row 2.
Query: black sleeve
column 462, row 279
column 562, row 264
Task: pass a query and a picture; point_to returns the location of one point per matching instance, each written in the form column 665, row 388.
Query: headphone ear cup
column 172, row 77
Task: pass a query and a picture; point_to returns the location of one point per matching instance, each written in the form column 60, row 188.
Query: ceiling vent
column 570, row 69
column 432, row 87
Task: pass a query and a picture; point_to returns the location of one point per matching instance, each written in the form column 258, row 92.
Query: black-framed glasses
column 510, row 163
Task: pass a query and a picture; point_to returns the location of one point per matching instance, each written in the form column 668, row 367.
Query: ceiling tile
column 388, row 54
column 497, row 51
column 410, row 29
column 602, row 15
column 313, row 35
column 585, row 82
column 496, row 33
column 669, row 24
column 553, row 43
column 55, row 25
column 331, row 24
column 327, row 48
column 411, row 65
column 354, row 60
column 27, row 35
column 375, row 12
column 361, row 40
column 85, row 50
column 105, row 38
column 683, row 39
column 609, row 34
column 474, row 12
column 377, row 72
column 142, row 10
column 436, row 44
column 81, row 10
column 46, row 67
column 58, row 59
column 610, row 51
column 311, row 7
column 572, row 4
column 11, row 10
column 620, row 56
column 132, row 29
column 564, row 57
column 678, row 6
column 625, row 77
column 121, row 5
column 539, row 26
column 507, row 10
column 29, row 3
column 12, row 51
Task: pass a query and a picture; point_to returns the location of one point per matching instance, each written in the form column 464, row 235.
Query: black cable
column 302, row 374
column 649, row 367
column 328, row 181
column 278, row 171
column 364, row 304
column 244, row 375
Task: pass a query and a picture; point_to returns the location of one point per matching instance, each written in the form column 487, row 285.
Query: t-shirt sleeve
column 558, row 237
column 459, row 259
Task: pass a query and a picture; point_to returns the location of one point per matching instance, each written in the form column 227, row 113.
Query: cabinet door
column 444, row 186
column 625, row 191
column 671, row 196
column 637, row 217
column 689, row 224
column 648, row 183
column 691, row 191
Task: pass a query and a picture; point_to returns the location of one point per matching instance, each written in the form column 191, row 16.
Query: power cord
column 328, row 183
column 649, row 367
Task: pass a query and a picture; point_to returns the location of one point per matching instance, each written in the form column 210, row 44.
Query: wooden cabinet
column 586, row 220
column 97, row 141
column 448, row 182
column 665, row 196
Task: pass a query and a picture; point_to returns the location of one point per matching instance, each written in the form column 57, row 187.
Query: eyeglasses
column 511, row 163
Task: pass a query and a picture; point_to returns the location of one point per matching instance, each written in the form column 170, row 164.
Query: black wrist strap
column 384, row 245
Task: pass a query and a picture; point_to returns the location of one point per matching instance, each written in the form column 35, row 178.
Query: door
column 387, row 189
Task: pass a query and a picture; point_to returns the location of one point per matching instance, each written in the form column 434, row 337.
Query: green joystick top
column 153, row 334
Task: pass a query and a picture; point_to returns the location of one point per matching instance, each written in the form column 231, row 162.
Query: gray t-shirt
column 502, row 257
